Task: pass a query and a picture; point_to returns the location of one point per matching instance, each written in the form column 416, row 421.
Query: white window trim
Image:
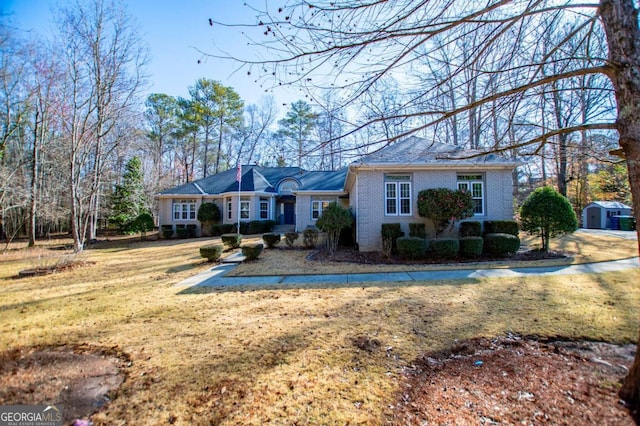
column 229, row 209
column 245, row 207
column 262, row 203
column 185, row 210
column 319, row 206
column 397, row 185
column 467, row 184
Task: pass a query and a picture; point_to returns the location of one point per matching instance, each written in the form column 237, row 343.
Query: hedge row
column 499, row 244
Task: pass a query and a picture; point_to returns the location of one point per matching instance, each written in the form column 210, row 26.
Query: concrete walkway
column 215, row 277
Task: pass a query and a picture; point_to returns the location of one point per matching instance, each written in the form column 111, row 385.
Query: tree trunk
column 620, row 20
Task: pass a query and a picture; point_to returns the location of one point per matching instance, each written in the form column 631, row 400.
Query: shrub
column 244, row 228
column 222, row 228
column 411, row 247
column 290, row 238
column 271, row 240
column 252, row 251
column 444, row 247
column 501, row 244
column 310, row 238
column 192, row 230
column 208, row 212
column 257, row 227
column 182, row 231
column 417, row 230
column 471, row 247
column 333, row 220
column 211, row 252
column 142, row 224
column 547, row 214
column 444, row 206
column 390, row 233
column 501, row 227
column 167, row 231
column 269, row 225
column 470, row 229
column 232, row 241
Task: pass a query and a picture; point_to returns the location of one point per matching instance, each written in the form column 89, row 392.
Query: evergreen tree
column 128, row 199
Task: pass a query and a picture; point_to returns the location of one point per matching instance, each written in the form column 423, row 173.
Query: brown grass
column 253, row 355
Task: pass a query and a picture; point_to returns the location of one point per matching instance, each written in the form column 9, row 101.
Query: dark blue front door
column 289, row 214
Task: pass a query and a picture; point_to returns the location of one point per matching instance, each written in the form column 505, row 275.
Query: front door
column 289, row 214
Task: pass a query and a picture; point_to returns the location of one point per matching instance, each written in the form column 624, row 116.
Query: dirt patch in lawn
column 517, row 381
column 80, row 380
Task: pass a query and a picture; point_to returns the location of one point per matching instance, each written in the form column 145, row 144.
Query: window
column 229, row 209
column 244, row 208
column 317, row 206
column 184, row 210
column 288, row 186
column 264, row 208
column 474, row 184
column 397, row 195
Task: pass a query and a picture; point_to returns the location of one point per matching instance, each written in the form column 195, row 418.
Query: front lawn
column 254, row 355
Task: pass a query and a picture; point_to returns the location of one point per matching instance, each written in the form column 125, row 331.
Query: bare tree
column 104, row 57
column 364, row 42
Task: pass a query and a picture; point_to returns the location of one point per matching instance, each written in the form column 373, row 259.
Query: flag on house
column 239, row 173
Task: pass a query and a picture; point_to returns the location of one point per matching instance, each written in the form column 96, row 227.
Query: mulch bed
column 509, row 380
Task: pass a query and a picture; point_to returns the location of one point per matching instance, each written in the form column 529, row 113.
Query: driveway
column 627, row 235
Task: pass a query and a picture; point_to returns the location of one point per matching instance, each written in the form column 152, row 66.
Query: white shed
column 597, row 215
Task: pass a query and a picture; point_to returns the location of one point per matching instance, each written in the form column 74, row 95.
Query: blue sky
column 173, row 30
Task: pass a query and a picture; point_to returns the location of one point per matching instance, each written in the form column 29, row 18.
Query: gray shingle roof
column 260, row 179
column 419, row 151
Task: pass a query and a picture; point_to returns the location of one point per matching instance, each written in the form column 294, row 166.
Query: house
column 379, row 188
column 597, row 215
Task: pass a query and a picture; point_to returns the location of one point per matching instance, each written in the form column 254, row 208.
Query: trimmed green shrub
column 290, row 238
column 222, row 228
column 310, row 238
column 211, row 252
column 232, row 241
column 182, row 231
column 257, row 227
column 167, row 231
column 471, row 228
column 252, row 251
column 192, row 230
column 269, row 225
column 501, row 244
column 271, row 240
column 444, row 247
column 547, row 214
column 390, row 233
column 471, row 247
column 208, row 212
column 444, row 206
column 501, row 227
column 418, row 230
column 244, row 228
column 411, row 247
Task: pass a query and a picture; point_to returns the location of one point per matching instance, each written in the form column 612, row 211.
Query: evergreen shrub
column 501, row 244
column 446, row 248
column 471, row 247
column 231, row 241
column 252, row 251
column 271, row 240
column 411, row 247
column 211, row 252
